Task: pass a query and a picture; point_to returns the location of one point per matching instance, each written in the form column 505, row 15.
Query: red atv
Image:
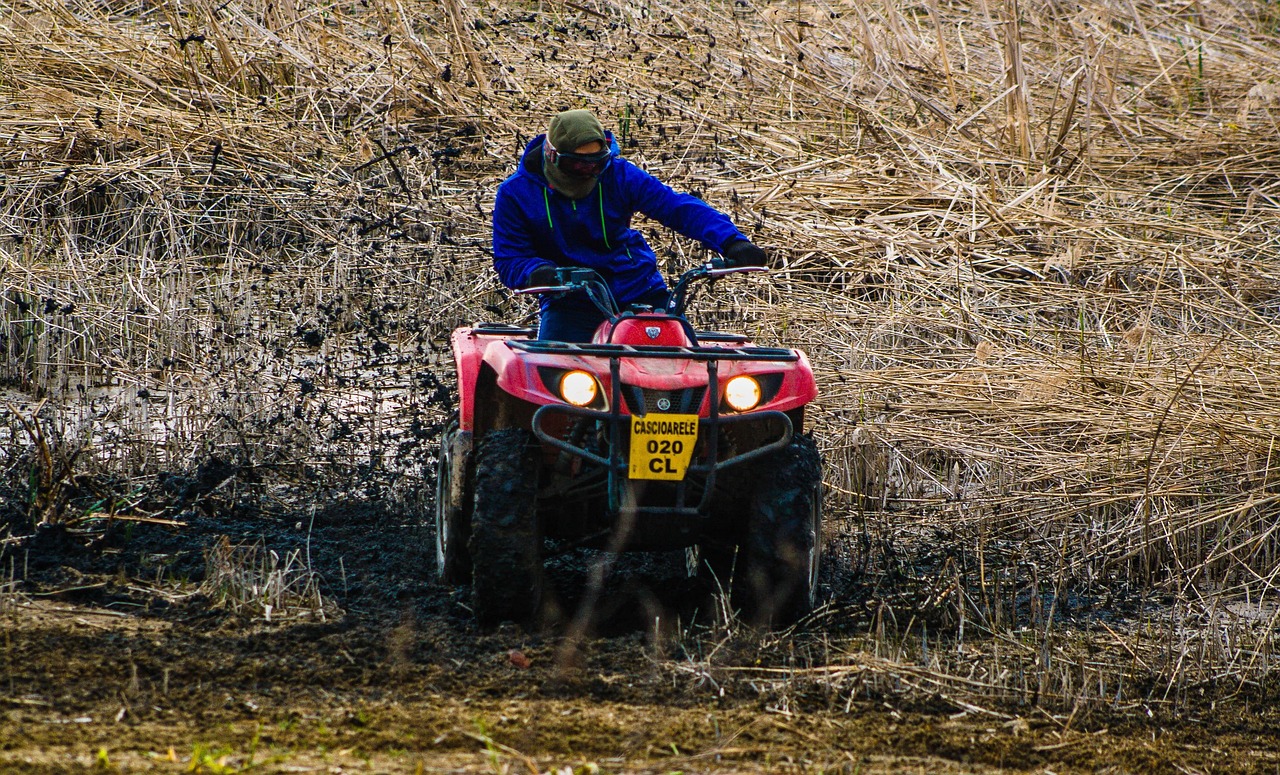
column 651, row 437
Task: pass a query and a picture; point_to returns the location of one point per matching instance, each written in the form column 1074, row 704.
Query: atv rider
column 570, row 204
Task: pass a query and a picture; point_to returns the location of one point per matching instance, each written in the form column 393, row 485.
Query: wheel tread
column 506, row 542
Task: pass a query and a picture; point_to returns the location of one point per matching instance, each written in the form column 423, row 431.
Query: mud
column 117, row 655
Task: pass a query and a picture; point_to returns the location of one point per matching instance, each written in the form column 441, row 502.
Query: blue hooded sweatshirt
column 534, row 225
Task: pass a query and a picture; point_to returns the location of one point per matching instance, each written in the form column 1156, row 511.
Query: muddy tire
column 506, row 539
column 453, row 523
column 777, row 574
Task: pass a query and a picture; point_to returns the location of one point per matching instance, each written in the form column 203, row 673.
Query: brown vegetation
column 1029, row 246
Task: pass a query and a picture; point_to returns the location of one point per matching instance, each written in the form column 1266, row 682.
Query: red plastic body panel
column 661, row 330
column 469, row 346
column 518, row 376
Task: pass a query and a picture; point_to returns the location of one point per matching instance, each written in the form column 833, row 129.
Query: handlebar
column 580, row 279
column 541, row 289
column 589, row 281
column 713, row 269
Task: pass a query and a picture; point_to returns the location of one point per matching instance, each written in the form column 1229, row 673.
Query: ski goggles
column 580, row 165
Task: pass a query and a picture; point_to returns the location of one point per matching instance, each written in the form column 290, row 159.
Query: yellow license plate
column 662, row 444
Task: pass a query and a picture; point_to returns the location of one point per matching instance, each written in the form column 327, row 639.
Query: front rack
column 615, row 465
column 695, row 353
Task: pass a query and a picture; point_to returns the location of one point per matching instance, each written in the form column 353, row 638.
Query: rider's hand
column 544, row 276
column 743, row 253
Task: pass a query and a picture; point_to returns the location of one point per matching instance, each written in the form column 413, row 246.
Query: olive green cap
column 574, row 128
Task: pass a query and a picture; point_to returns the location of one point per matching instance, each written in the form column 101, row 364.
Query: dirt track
column 104, row 669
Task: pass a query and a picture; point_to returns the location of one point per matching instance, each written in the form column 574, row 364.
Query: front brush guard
column 616, row 465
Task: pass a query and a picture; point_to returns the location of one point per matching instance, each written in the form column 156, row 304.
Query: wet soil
column 117, row 655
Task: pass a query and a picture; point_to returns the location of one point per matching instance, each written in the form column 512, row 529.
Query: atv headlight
column 578, row 388
column 742, row 393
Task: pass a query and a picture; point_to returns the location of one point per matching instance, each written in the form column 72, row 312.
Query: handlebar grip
column 545, row 289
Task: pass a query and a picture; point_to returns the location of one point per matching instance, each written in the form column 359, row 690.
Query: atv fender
column 476, row 350
column 468, row 353
column 518, row 376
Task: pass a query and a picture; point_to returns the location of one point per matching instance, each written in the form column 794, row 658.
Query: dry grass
column 256, row 582
column 1029, row 247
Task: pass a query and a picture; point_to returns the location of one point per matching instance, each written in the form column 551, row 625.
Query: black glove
column 544, row 276
column 743, row 253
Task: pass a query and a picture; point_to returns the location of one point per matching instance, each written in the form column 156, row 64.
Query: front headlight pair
column 580, row 388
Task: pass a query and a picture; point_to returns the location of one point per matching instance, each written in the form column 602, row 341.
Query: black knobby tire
column 506, row 539
column 717, row 549
column 453, row 525
column 777, row 576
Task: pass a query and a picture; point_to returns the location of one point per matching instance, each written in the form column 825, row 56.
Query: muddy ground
column 118, row 653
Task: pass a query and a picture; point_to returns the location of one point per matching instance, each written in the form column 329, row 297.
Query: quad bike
column 651, row 437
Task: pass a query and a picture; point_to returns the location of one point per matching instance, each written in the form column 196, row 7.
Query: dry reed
column 1028, row 246
column 254, row 581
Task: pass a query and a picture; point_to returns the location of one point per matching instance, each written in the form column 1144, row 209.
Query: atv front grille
column 643, row 401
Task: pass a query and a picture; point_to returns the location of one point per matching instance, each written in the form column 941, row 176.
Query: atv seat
column 502, row 329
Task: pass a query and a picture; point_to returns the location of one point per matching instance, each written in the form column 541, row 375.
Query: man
column 570, row 204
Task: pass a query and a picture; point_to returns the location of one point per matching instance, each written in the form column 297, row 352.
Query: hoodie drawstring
column 604, row 229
